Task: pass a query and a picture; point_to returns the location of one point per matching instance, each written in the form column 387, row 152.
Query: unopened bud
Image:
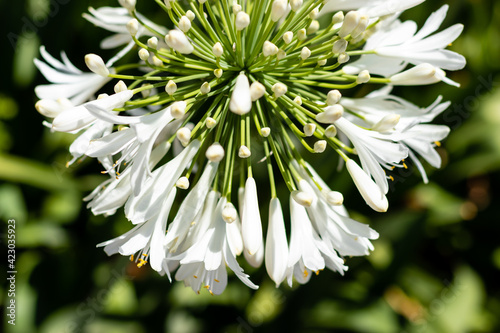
column 265, row 131
column 305, row 53
column 244, row 152
column 313, row 27
column 184, row 135
column 351, row 21
column 120, row 86
column 287, row 37
column 279, row 89
column 218, row 73
column 278, row 9
column 363, row 77
column 296, row 4
column 217, row 49
column 331, row 131
column 143, row 54
column 153, row 42
column 269, row 49
column 333, row 97
column 242, row 21
column 319, row 146
column 339, row 46
column 184, row 24
column 182, row 183
column 309, row 129
column 133, row 27
column 190, row 15
column 178, row 109
column 96, row 64
column 171, row 88
column 205, row 88
column 210, row 122
column 331, row 114
column 215, row 153
column 257, row 90
column 301, row 34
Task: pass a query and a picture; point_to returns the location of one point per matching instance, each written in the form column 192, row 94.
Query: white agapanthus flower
column 221, row 95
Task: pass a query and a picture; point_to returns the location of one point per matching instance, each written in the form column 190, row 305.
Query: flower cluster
column 189, row 110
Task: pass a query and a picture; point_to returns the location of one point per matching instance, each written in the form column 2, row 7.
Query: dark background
column 435, row 267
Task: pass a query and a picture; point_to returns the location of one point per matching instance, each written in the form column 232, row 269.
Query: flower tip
column 302, row 198
column 96, row 64
column 215, row 153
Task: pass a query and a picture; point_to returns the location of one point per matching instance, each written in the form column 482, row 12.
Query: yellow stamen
column 195, row 276
column 216, row 280
column 391, row 177
column 132, row 258
column 437, row 143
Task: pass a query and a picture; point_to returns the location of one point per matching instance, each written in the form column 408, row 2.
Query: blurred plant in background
column 436, row 268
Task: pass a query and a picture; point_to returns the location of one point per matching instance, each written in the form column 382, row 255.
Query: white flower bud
column 178, row 109
column 244, row 152
column 287, row 37
column 281, row 55
column 387, row 123
column 309, row 129
column 49, row 108
column 242, row 21
column 171, row 88
column 143, row 54
column 320, row 146
column 157, row 62
column 343, row 58
column 218, row 73
column 265, row 131
column 210, row 122
column 338, row 18
column 101, row 96
column 302, row 198
column 229, row 213
column 128, row 4
column 339, row 46
column 182, row 183
column 363, row 77
column 179, row 42
column 217, row 49
column 202, row 1
column 269, row 49
column 236, row 9
column 120, row 86
column 241, row 100
column 322, row 62
column 257, row 90
column 418, row 75
column 351, row 21
column 298, row 100
column 184, row 135
column 331, row 114
column 278, row 9
column 215, row 153
column 296, row 4
column 301, row 34
column 314, row 13
column 184, row 24
column 333, row 97
column 205, row 88
column 333, row 197
column 305, row 53
column 279, row 89
column 153, row 42
column 145, row 93
column 313, row 27
column 331, row 131
column 96, row 64
column 133, row 27
column 361, row 27
column 190, row 15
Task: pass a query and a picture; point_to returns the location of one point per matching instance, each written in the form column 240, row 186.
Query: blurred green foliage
column 436, row 265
